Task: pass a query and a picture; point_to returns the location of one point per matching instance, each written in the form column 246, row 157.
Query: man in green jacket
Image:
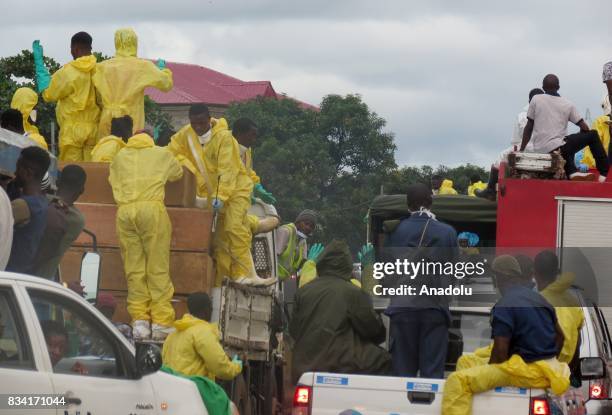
column 334, row 326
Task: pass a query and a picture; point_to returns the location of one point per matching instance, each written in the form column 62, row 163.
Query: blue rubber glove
column 263, row 194
column 43, row 78
column 235, row 359
column 217, row 204
column 366, row 254
column 161, row 64
column 315, row 251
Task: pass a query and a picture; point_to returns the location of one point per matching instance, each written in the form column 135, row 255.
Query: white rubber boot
column 161, row 332
column 141, row 330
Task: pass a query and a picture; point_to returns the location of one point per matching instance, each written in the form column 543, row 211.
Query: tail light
column 539, row 406
column 302, row 400
column 597, row 391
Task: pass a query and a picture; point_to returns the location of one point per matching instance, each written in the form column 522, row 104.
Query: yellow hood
column 24, row 101
column 447, row 183
column 218, row 124
column 562, row 283
column 141, row 140
column 188, row 321
column 84, row 63
column 126, row 42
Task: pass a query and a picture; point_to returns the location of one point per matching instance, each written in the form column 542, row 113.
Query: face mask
column 33, row 115
column 301, row 234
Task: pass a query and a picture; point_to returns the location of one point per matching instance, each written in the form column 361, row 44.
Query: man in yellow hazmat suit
column 603, row 126
column 25, row 100
column 194, row 348
column 71, row 87
column 475, row 184
column 208, row 147
column 138, row 175
column 440, row 186
column 120, row 82
column 108, row 147
column 518, row 357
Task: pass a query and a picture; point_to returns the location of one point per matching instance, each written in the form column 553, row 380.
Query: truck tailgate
column 335, row 393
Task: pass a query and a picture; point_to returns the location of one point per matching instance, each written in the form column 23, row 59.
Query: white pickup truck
column 343, row 394
column 98, row 372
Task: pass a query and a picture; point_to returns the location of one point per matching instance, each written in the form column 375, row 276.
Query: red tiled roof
column 198, row 84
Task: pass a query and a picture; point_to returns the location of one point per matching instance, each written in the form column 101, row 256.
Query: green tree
column 333, row 161
column 18, row 71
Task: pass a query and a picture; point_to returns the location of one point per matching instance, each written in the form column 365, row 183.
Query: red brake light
column 539, row 406
column 302, row 396
column 302, row 400
column 597, row 391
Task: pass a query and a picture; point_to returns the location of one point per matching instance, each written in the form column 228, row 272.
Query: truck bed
column 384, row 395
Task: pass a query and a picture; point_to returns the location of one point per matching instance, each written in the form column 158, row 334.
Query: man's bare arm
column 527, row 133
column 501, row 350
column 584, row 127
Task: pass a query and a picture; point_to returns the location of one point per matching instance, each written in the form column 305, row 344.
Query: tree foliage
column 334, row 161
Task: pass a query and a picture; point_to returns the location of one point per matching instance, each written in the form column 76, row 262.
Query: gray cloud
column 449, row 78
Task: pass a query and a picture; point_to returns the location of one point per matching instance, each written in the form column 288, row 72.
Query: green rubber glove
column 236, row 360
column 366, row 254
column 314, row 252
column 161, row 64
column 43, row 78
column 263, row 194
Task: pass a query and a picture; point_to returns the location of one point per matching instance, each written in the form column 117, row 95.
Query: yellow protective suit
column 121, row 81
column 447, row 188
column 218, row 163
column 479, row 185
column 24, row 100
column 77, row 112
column 309, row 273
column 569, row 313
column 138, row 175
column 194, row 350
column 463, row 384
column 106, row 149
column 603, row 129
column 247, row 158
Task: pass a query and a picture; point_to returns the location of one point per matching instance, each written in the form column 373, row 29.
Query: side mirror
column 90, row 275
column 148, row 358
column 592, row 368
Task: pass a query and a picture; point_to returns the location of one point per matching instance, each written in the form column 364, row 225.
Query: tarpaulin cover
column 455, row 208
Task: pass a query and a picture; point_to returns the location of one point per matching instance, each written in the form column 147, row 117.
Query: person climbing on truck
column 207, row 148
column 194, row 348
column 138, row 176
column 526, row 342
column 108, row 147
column 291, row 243
column 547, row 119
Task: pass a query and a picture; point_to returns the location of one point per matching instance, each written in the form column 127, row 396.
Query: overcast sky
column 449, row 77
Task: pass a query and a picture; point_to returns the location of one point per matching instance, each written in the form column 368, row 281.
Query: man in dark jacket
column 334, row 327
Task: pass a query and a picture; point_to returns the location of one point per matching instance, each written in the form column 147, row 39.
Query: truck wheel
column 241, row 396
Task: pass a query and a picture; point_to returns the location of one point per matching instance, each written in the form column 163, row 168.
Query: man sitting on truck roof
column 194, row 348
column 547, row 119
column 108, row 147
column 526, row 341
column 334, row 326
column 603, row 126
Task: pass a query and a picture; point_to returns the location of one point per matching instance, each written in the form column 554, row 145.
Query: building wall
column 180, row 113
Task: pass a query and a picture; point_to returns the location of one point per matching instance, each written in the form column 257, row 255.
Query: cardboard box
column 180, row 193
column 191, row 227
column 190, row 271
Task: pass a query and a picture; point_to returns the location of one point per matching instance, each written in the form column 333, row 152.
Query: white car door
column 20, row 362
column 89, row 364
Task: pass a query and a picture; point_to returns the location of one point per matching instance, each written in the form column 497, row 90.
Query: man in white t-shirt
column 546, row 128
column 515, row 142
